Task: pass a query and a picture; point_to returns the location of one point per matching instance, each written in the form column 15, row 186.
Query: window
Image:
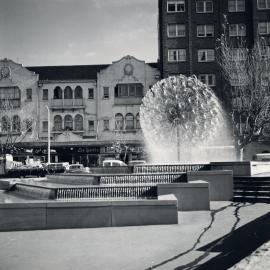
column 5, row 123
column 78, row 122
column 206, row 55
column 238, row 54
column 45, row 126
column 16, row 123
column 129, row 121
column 264, row 28
column 57, row 123
column 176, row 6
column 237, row 30
column 45, row 94
column 176, row 30
column 119, row 121
column 78, row 93
column 209, row 79
column 68, row 122
column 205, row 30
column 68, row 94
column 236, row 5
column 129, row 90
column 90, row 93
column 106, row 92
column 176, row 55
column 29, row 94
column 263, row 4
column 106, row 125
column 204, row 6
column 91, row 125
column 10, row 98
column 138, row 125
column 57, row 93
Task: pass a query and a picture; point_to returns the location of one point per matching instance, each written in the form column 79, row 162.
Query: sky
column 77, row 32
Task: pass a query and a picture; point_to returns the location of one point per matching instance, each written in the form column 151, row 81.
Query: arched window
column 5, row 123
column 68, row 122
column 68, row 93
column 16, row 123
column 119, row 121
column 78, row 122
column 58, row 122
column 57, row 93
column 78, row 93
column 138, row 125
column 129, row 121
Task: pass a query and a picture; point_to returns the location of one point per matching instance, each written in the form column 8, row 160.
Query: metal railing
column 142, row 179
column 168, row 168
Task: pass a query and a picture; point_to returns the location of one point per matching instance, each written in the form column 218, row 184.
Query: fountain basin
column 38, row 215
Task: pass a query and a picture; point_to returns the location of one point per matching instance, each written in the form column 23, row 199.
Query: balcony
column 128, row 100
column 67, row 103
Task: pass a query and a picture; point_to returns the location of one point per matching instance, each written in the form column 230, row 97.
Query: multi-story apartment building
column 189, row 30
column 84, row 109
column 188, row 39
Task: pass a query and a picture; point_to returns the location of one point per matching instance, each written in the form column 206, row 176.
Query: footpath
column 230, row 236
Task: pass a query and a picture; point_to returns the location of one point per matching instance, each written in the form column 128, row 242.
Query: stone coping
column 162, row 200
column 212, row 172
column 193, row 184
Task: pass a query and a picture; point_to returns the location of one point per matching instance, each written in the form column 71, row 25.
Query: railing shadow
column 235, row 246
column 205, row 230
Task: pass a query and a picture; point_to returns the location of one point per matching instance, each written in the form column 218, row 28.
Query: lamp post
column 49, row 136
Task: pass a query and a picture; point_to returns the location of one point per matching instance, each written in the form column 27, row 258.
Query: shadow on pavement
column 234, row 246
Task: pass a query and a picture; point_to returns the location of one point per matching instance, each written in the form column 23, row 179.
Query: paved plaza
column 216, row 239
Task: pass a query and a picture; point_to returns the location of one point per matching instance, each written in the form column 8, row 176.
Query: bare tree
column 15, row 125
column 247, row 70
column 119, row 144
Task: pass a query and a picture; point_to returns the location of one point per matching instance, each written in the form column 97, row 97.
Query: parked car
column 77, row 168
column 52, row 168
column 113, row 162
column 136, row 162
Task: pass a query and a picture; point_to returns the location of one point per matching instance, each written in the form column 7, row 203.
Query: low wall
column 191, row 196
column 239, row 168
column 220, row 183
column 243, row 168
column 79, row 214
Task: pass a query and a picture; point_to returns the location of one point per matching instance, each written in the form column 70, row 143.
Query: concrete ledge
column 4, row 184
column 220, row 183
column 73, row 179
column 191, row 196
column 87, row 214
column 239, row 168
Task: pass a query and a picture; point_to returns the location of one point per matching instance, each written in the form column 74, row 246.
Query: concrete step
column 251, row 179
column 252, row 187
column 252, row 199
column 252, row 193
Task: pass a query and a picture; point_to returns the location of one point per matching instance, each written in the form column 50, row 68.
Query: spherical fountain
column 182, row 120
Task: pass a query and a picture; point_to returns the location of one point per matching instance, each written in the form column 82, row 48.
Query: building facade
column 188, row 33
column 86, row 110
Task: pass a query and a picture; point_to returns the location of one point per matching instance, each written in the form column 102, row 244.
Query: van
column 113, row 162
